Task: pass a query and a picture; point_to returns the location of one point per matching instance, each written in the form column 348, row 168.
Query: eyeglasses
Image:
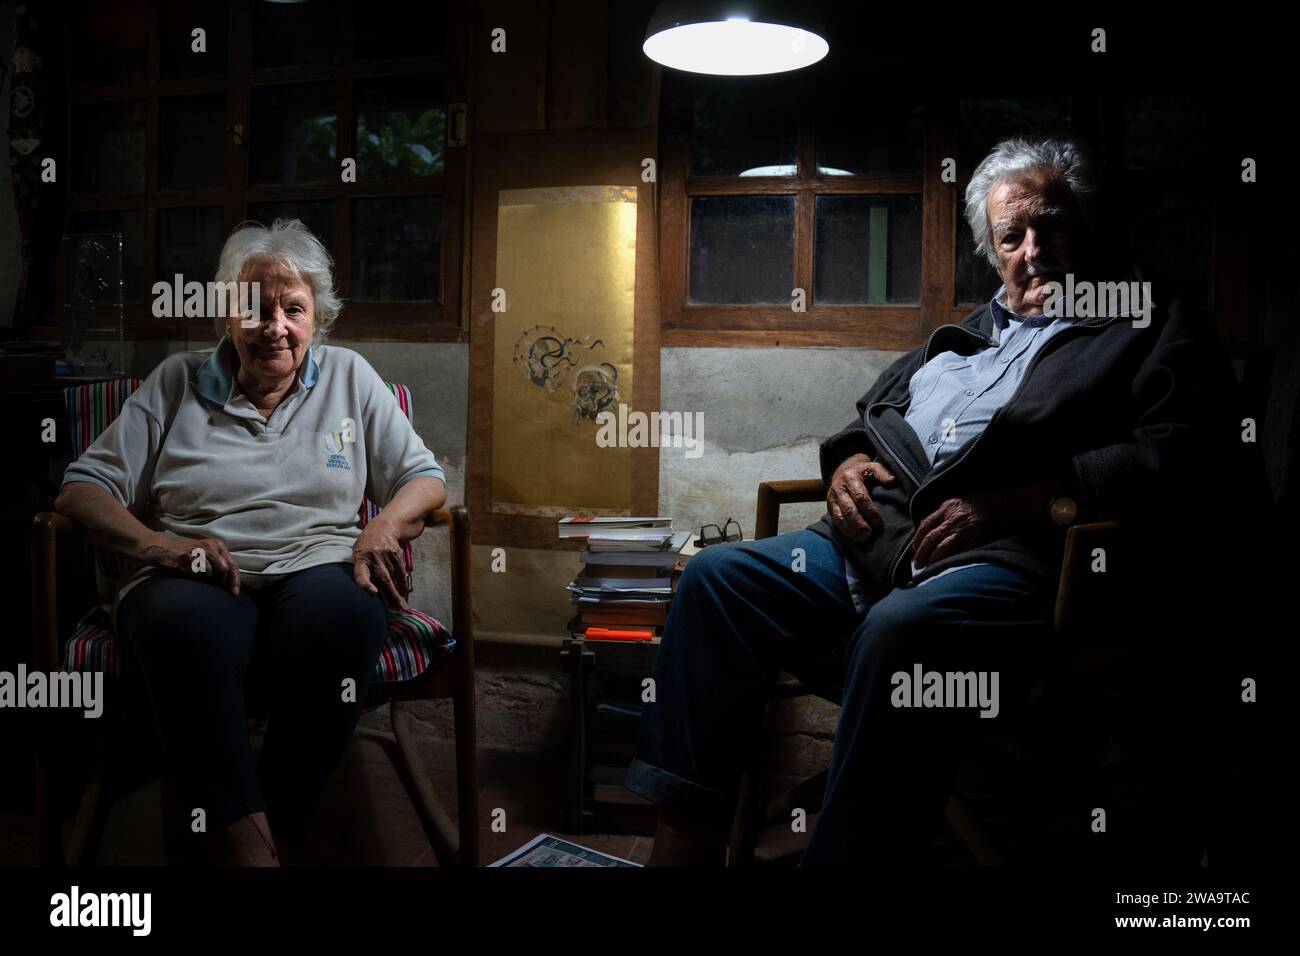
column 730, row 531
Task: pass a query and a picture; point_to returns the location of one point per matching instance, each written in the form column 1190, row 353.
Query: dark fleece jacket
column 1118, row 414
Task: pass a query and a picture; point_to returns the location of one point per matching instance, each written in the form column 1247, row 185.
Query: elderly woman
column 230, row 486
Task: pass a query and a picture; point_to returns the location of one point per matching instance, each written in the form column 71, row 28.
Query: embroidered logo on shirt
column 334, row 444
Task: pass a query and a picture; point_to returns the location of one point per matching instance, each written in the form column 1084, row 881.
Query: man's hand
column 377, row 561
column 848, row 500
column 177, row 554
column 968, row 521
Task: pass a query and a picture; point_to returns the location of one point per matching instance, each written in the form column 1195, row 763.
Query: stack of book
column 626, row 584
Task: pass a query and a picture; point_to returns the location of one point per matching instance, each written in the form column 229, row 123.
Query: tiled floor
column 367, row 817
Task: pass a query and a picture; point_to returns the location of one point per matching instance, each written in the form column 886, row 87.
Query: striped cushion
column 92, row 408
column 414, row 642
column 414, row 638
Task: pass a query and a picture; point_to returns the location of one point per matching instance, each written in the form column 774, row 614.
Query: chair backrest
column 94, row 406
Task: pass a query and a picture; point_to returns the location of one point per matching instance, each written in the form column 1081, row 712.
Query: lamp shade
column 739, row 38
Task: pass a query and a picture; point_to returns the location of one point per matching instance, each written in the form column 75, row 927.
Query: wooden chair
column 759, row 820
column 63, row 586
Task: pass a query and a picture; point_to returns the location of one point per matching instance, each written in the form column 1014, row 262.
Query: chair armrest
column 773, row 494
column 1080, row 540
column 437, row 517
column 51, row 532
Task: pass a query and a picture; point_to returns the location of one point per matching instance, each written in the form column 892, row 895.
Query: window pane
column 868, row 250
column 1166, row 133
column 740, row 130
column 294, row 134
column 881, row 137
column 976, row 280
column 396, row 249
column 290, row 34
column 400, row 127
column 742, row 249
column 985, row 122
column 393, row 28
column 131, row 225
column 192, row 150
column 108, row 147
column 316, row 216
column 189, row 243
column 1169, row 234
column 109, row 41
column 179, row 19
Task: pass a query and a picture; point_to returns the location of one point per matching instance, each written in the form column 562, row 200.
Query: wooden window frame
column 439, row 320
column 885, row 327
column 873, row 326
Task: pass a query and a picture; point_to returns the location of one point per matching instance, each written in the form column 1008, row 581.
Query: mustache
column 1043, row 267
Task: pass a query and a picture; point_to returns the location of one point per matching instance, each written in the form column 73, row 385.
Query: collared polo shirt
column 191, row 457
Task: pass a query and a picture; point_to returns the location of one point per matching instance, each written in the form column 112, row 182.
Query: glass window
column 985, row 122
column 396, row 249
column 316, row 216
column 294, row 34
column 743, row 131
column 108, row 147
column 294, row 135
column 189, row 243
column 1170, row 234
column 192, row 149
column 868, row 250
column 742, row 250
column 976, row 278
column 109, row 43
column 179, row 20
column 401, row 127
column 1166, row 133
column 878, row 138
column 395, row 28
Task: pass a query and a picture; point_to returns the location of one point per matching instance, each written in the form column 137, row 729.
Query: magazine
column 546, row 850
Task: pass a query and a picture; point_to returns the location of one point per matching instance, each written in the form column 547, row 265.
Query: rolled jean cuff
column 709, row 807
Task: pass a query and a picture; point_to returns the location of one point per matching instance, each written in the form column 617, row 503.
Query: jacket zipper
column 893, row 568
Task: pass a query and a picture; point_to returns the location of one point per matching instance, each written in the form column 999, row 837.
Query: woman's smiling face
column 272, row 351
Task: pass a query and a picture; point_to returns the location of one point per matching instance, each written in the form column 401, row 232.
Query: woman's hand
column 378, row 562
column 203, row 558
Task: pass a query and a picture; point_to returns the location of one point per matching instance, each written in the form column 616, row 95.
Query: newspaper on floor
column 546, row 850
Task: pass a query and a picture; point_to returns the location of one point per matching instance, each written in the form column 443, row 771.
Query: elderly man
column 940, row 548
column 230, row 486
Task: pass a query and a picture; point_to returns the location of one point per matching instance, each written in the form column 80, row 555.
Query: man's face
column 1036, row 235
column 271, row 351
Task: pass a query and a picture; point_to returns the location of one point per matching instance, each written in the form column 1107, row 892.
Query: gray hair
column 1013, row 158
column 291, row 244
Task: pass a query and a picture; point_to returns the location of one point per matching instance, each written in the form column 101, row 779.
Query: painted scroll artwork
column 562, row 349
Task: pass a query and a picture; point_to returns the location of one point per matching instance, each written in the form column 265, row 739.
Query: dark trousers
column 742, row 611
column 209, row 659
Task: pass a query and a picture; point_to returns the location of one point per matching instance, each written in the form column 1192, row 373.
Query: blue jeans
column 742, row 612
column 209, row 659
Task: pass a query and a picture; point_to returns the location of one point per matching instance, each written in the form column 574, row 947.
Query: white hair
column 291, row 244
column 1013, row 158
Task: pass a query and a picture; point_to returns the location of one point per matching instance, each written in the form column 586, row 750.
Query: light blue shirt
column 953, row 397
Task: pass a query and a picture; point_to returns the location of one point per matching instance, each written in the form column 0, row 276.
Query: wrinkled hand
column 377, row 561
column 177, row 554
column 849, row 501
column 963, row 523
